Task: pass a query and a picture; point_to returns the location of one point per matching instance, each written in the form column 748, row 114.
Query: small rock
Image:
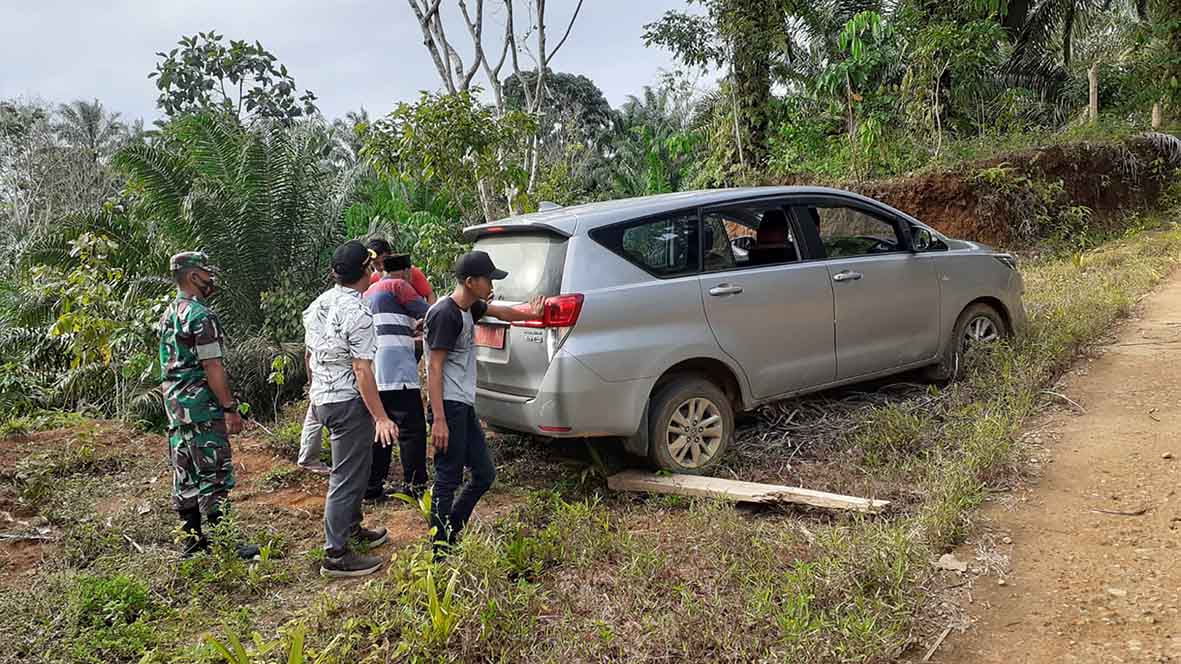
column 1167, row 455
column 38, row 522
column 144, row 509
column 1002, row 582
column 1117, row 592
column 949, row 562
column 1007, row 540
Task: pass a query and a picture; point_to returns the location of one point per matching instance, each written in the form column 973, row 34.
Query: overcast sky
column 351, row 53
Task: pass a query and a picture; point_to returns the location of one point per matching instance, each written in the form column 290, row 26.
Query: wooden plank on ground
column 746, row 492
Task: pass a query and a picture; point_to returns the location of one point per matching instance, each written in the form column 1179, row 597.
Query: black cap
column 350, row 258
column 477, row 264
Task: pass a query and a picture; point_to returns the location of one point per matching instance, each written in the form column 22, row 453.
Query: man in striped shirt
column 397, row 307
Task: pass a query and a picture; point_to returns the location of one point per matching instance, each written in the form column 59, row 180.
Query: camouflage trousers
column 202, row 469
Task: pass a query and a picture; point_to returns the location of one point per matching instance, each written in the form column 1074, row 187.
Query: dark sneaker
column 415, row 492
column 376, row 497
column 248, row 552
column 350, row 564
column 371, row 538
column 318, row 468
column 193, row 546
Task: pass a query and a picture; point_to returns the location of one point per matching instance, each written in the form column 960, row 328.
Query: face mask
column 208, row 287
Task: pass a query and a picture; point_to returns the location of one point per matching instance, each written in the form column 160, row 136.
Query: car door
column 768, row 309
column 886, row 298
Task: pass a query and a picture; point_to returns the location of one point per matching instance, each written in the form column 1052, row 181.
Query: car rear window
column 534, row 263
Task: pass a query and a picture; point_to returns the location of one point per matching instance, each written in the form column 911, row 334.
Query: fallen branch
column 1139, row 512
column 133, row 543
column 16, row 537
column 751, row 492
column 935, row 646
column 1067, row 400
column 1152, row 343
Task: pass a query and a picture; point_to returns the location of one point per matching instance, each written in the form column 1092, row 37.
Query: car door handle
column 846, row 275
column 725, row 289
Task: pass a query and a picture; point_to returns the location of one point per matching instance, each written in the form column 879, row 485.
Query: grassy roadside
column 582, row 575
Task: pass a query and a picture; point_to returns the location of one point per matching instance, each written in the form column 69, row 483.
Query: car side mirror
column 920, row 239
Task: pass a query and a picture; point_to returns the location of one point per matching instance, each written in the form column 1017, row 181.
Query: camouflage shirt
column 189, row 333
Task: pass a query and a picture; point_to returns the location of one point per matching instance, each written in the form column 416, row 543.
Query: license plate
column 490, row 336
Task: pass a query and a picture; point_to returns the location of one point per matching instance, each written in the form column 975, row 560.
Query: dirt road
column 1088, row 551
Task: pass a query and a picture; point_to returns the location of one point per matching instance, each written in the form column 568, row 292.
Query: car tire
column 977, row 323
column 690, row 425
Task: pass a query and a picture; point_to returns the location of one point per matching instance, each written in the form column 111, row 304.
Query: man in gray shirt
column 451, row 387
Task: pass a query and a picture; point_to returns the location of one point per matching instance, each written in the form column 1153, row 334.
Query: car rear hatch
column 513, row 359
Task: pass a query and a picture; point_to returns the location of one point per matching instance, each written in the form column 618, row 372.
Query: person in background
column 451, row 385
column 341, row 343
column 382, row 248
column 397, row 308
column 202, row 412
column 311, row 438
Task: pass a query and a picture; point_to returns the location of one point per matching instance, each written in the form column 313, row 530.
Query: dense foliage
column 242, row 165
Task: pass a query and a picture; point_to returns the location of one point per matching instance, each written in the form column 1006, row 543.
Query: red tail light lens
column 559, row 311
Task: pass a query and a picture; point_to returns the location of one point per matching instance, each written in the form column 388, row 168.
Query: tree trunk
column 1158, row 115
column 751, row 63
column 1093, row 79
column 485, row 200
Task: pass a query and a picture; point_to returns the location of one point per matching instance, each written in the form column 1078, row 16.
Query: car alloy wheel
column 695, row 432
column 979, row 330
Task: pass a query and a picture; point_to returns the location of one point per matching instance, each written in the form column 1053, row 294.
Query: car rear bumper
column 572, row 402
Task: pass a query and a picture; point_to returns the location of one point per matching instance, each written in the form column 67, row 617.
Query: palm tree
column 348, row 135
column 88, row 126
column 259, row 200
column 1046, row 32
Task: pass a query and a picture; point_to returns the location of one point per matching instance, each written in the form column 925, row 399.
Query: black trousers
column 452, row 504
column 404, row 407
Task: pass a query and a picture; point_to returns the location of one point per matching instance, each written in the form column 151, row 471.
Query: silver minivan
column 666, row 315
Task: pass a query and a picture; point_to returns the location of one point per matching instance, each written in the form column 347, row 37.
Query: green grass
column 578, row 574
column 46, row 421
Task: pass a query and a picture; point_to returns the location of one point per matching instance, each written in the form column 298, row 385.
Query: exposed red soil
column 1108, row 178
column 297, row 504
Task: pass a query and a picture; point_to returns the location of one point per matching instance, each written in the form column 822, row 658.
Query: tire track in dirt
column 1093, row 543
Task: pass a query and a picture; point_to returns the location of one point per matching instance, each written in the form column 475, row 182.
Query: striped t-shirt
column 396, row 306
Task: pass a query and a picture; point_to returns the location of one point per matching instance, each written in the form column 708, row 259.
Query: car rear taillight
column 558, row 311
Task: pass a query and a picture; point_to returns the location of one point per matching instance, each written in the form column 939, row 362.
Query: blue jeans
column 466, row 447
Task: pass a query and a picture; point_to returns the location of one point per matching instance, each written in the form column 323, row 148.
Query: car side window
column 846, row 232
column 749, row 235
column 665, row 247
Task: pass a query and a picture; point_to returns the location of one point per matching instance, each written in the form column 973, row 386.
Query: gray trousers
column 351, row 432
column 310, row 439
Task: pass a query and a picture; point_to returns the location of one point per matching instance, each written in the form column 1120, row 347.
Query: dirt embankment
column 998, row 200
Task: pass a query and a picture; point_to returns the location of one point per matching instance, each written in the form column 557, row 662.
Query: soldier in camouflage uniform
column 202, row 413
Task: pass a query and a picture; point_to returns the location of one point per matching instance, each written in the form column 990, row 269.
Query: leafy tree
column 51, row 165
column 203, row 73
column 743, row 36
column 414, row 218
column 458, row 146
column 572, row 96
